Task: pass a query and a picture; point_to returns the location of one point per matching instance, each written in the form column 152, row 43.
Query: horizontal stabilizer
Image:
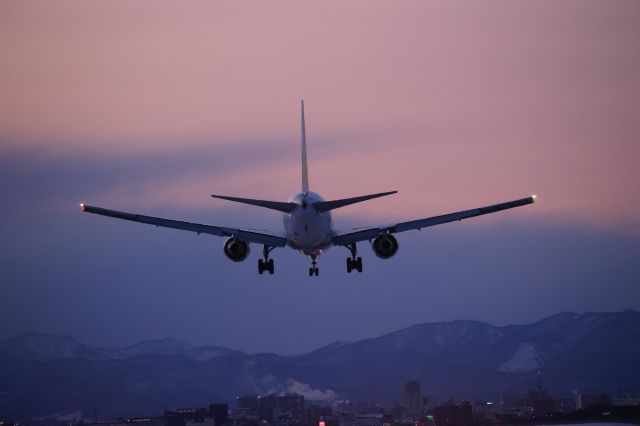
column 273, row 205
column 325, row 206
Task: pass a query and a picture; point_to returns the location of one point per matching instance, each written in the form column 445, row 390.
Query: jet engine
column 236, row 250
column 385, row 246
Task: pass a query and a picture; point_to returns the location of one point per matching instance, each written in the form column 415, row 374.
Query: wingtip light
column 82, row 206
column 534, row 196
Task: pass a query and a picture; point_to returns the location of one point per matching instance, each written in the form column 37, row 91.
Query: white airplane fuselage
column 307, row 229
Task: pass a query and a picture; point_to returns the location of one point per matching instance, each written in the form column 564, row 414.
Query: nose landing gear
column 314, row 267
column 354, row 263
column 266, row 264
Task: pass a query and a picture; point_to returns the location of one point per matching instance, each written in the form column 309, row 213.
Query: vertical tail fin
column 305, row 173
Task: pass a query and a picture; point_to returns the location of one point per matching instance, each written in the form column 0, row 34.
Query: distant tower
column 539, row 381
column 413, row 400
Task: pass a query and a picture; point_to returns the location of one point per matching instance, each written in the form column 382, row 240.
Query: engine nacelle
column 236, row 250
column 385, row 246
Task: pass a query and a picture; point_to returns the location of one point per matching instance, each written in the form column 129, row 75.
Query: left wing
column 241, row 234
column 372, row 233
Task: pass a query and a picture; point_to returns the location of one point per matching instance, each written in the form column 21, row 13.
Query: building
column 413, row 401
column 135, row 421
column 539, row 402
column 625, row 400
column 213, row 415
column 272, row 408
column 371, row 419
column 485, row 412
column 318, row 415
column 583, row 401
column 450, row 414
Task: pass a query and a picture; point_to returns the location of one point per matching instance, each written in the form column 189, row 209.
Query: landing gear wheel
column 261, row 266
column 353, row 262
column 266, row 264
column 314, row 268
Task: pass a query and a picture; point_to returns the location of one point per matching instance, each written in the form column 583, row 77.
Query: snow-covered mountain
column 593, row 352
column 43, row 347
column 176, row 347
column 525, row 358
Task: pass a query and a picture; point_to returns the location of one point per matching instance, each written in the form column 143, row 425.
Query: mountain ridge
column 188, row 347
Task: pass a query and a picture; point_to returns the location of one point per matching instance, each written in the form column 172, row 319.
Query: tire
column 349, row 265
column 261, row 266
column 270, row 266
column 359, row 264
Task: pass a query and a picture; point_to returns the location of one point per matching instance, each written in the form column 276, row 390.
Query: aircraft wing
column 372, row 233
column 243, row 235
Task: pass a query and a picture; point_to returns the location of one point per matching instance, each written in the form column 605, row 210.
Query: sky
column 151, row 107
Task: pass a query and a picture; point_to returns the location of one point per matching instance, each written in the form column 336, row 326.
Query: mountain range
column 42, row 375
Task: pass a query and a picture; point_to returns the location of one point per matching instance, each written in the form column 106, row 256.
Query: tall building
column 539, row 402
column 413, row 401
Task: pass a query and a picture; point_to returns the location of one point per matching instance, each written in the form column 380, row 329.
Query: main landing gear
column 266, row 264
column 314, row 267
column 354, row 263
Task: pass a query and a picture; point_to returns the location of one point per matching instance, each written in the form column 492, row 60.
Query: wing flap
column 260, row 238
column 352, row 237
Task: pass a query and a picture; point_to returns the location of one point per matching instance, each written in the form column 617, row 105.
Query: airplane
column 308, row 226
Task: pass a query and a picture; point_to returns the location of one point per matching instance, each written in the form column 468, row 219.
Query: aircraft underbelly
column 309, row 232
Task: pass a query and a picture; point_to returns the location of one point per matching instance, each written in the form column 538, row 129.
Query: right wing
column 241, row 234
column 371, row 233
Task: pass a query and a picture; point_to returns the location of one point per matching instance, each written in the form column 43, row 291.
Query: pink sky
column 457, row 105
